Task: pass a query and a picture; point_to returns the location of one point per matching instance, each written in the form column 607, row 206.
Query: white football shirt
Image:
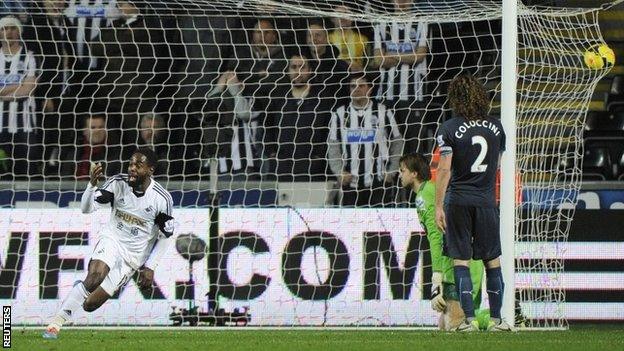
column 132, row 221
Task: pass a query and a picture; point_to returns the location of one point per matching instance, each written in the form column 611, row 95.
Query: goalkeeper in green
column 416, row 176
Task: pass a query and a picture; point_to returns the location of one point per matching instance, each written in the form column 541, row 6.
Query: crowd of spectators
column 297, row 98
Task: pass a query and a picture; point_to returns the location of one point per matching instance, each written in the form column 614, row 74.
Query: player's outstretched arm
column 93, row 197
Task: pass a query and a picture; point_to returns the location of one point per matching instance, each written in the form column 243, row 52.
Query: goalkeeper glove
column 437, row 300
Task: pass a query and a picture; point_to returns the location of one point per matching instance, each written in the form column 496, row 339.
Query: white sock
column 72, row 303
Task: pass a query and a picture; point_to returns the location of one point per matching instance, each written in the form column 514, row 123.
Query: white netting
column 248, row 109
column 554, row 91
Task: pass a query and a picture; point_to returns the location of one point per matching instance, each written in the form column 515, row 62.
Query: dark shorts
column 472, row 232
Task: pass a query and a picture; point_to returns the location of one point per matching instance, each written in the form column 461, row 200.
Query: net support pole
column 508, row 162
column 214, row 176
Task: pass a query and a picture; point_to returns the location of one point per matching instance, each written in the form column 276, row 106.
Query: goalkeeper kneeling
column 416, row 176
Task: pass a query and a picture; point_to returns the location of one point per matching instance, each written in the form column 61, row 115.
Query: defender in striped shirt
column 134, row 238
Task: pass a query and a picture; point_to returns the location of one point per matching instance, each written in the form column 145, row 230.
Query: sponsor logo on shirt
column 128, row 218
column 440, row 140
column 360, row 136
column 89, row 11
column 420, row 203
column 399, row 47
column 10, row 79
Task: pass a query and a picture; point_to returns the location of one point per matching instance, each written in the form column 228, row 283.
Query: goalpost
column 508, row 160
column 276, row 247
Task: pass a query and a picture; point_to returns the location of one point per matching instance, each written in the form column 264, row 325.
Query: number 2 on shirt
column 478, row 166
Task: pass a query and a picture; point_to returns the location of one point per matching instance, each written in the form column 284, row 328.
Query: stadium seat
column 621, row 167
column 615, row 146
column 604, row 124
column 614, row 100
column 597, row 164
column 617, row 121
column 592, row 121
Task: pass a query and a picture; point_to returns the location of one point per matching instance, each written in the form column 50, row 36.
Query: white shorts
column 107, row 251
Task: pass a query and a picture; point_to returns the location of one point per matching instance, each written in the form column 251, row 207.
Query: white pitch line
column 260, row 328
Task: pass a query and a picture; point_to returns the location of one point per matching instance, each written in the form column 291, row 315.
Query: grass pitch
column 577, row 338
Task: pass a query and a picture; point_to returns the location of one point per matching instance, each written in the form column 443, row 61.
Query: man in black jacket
column 329, row 72
column 137, row 61
column 46, row 35
column 261, row 63
column 297, row 125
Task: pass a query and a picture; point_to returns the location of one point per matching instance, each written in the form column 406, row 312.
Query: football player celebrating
column 134, row 238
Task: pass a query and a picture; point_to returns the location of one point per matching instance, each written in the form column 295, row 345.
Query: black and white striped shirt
column 241, row 148
column 85, row 19
column 244, row 133
column 404, row 82
column 17, row 114
column 366, row 141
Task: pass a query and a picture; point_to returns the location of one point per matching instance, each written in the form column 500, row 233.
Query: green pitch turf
column 584, row 339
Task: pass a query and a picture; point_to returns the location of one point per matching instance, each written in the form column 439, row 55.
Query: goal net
column 278, row 125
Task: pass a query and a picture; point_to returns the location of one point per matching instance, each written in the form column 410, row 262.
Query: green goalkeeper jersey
column 425, row 206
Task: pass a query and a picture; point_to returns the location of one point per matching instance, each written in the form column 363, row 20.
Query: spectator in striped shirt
column 364, row 147
column 400, row 51
column 18, row 121
column 83, row 21
column 230, row 129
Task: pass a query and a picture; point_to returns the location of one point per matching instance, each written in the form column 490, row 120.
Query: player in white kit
column 140, row 220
